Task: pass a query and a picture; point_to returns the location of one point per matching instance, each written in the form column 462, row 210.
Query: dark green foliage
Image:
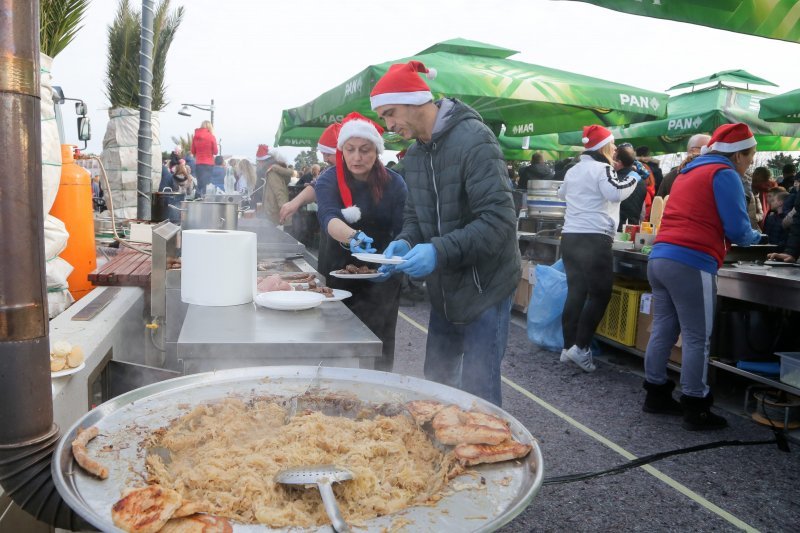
column 124, row 39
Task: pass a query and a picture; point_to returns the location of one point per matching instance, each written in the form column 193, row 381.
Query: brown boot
column 697, row 415
column 659, row 399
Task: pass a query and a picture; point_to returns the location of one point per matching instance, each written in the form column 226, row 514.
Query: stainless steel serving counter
column 777, row 287
column 214, row 338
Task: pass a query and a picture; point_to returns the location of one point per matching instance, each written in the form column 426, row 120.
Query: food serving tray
column 484, row 502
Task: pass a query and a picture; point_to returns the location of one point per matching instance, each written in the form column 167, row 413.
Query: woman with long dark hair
column 593, row 192
column 360, row 206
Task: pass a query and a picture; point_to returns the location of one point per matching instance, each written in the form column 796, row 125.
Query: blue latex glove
column 385, row 272
column 360, row 244
column 419, row 262
column 400, row 248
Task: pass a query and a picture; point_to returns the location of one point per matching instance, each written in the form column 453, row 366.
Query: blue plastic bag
column 546, row 307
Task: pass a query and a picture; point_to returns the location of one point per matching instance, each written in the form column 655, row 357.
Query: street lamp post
column 184, row 111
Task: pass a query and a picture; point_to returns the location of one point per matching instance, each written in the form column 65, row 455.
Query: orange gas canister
column 73, row 206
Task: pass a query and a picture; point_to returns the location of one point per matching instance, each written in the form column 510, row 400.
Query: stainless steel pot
column 160, row 210
column 543, row 200
column 126, row 420
column 209, row 215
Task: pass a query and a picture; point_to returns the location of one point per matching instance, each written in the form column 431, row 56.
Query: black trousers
column 588, row 263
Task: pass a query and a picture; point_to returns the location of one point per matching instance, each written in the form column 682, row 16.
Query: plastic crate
column 790, row 368
column 622, row 313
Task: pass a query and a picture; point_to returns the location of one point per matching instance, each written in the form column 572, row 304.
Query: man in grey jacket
column 459, row 229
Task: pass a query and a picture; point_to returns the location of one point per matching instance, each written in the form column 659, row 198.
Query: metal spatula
column 323, row 476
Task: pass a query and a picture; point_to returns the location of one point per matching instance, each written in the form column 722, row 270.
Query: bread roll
column 75, row 357
column 57, row 363
column 62, row 348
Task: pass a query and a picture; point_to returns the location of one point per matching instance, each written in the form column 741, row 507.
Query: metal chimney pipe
column 27, row 433
column 144, row 180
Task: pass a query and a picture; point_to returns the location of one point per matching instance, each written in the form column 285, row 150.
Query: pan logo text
column 353, row 87
column 690, row 123
column 642, row 102
column 521, row 129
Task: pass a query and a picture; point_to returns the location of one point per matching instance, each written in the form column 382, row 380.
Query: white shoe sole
column 564, row 358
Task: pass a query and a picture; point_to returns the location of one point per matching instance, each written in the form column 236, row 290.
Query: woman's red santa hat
column 327, row 141
column 354, row 125
column 402, row 85
column 595, row 137
column 262, row 153
column 730, row 138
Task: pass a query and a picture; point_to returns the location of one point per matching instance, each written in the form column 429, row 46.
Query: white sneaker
column 582, row 358
column 564, row 358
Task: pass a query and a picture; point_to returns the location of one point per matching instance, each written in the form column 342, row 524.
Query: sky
column 258, row 57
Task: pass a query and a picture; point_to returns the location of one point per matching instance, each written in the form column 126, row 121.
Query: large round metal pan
column 473, row 503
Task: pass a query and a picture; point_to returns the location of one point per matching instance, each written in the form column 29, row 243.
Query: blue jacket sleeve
column 329, row 203
column 732, row 209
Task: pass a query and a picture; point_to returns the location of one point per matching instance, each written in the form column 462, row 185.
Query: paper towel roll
column 218, row 267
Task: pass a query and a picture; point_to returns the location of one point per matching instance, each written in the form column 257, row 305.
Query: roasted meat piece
column 474, row 454
column 82, row 455
column 454, row 426
column 146, row 509
column 423, row 410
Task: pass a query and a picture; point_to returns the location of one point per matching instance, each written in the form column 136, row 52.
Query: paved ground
column 725, row 489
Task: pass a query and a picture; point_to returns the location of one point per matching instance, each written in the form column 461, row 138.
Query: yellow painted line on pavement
column 686, row 491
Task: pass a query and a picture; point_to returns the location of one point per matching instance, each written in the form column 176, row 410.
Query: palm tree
column 59, row 21
column 122, row 74
column 184, row 143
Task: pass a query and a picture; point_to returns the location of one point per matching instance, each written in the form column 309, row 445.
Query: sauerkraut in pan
column 225, row 456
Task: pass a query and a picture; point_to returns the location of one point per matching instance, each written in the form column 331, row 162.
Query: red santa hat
column 595, row 137
column 327, row 141
column 262, row 152
column 730, row 138
column 402, row 85
column 354, row 125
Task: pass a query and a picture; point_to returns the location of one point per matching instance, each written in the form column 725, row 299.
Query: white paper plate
column 289, row 300
column 67, row 371
column 338, row 295
column 622, row 245
column 335, row 274
column 379, row 258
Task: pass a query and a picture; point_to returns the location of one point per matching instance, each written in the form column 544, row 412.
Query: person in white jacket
column 593, row 192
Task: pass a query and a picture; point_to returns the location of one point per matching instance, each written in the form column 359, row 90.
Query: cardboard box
column 644, row 327
column 522, row 297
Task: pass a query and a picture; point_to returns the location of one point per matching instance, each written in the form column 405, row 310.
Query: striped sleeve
column 613, row 187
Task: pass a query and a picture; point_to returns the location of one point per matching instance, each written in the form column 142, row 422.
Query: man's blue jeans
column 468, row 356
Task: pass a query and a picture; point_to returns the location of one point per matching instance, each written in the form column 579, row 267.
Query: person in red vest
column 706, row 212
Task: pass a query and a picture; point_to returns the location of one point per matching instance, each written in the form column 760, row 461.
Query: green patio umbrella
column 774, row 19
column 528, row 99
column 307, row 137
column 522, row 148
column 740, row 76
column 702, row 111
column 781, row 108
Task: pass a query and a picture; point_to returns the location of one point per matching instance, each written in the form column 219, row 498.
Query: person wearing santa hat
column 360, row 207
column 326, row 145
column 706, row 212
column 459, row 231
column 593, row 192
